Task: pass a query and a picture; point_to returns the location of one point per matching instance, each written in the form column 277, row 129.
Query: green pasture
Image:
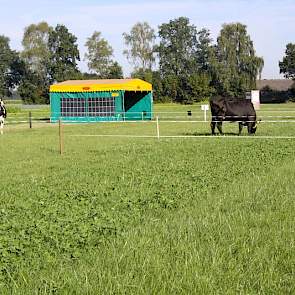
column 136, row 215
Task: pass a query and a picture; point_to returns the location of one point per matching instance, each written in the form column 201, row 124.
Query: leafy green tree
column 260, row 65
column 170, row 88
column 287, row 66
column 64, row 54
column 36, row 52
column 184, row 54
column 200, row 87
column 115, row 71
column 90, row 76
column 235, row 65
column 99, row 55
column 32, row 89
column 141, row 46
column 204, row 51
column 140, row 73
column 158, row 87
column 178, row 47
column 17, row 71
column 10, row 67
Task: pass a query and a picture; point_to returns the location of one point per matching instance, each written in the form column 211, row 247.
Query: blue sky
column 271, row 24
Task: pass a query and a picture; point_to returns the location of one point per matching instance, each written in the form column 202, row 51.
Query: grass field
column 145, row 216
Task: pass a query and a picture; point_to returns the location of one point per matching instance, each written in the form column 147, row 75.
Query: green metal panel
column 140, row 108
column 55, row 105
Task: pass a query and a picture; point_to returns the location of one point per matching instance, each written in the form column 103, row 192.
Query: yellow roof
column 101, row 85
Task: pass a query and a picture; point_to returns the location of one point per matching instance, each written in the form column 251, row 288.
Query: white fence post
column 205, row 108
column 158, row 129
column 61, row 138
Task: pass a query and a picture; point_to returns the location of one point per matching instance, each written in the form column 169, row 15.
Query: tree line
column 181, row 61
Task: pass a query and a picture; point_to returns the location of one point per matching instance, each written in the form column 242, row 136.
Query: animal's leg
column 249, row 127
column 1, row 126
column 240, row 128
column 213, row 124
column 219, row 127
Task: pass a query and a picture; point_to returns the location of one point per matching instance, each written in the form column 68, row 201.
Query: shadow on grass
column 208, row 134
column 47, row 120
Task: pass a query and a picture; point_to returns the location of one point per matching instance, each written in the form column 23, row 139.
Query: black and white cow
column 233, row 110
column 3, row 114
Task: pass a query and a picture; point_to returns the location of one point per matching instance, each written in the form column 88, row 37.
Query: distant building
column 275, row 90
column 275, row 84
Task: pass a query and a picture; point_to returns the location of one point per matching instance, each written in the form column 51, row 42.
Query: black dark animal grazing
column 233, row 110
column 3, row 111
column 3, row 114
